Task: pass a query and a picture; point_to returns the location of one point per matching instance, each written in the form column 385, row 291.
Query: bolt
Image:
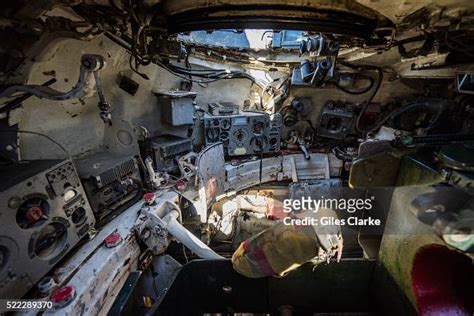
column 46, row 285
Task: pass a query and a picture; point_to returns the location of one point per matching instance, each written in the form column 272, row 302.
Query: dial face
column 224, row 136
column 258, row 128
column 258, row 143
column 212, row 135
column 50, row 241
column 335, row 125
column 240, row 135
column 225, row 124
column 69, row 194
column 273, row 142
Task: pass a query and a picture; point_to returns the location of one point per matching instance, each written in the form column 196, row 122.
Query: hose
column 356, row 91
column 426, row 103
column 371, row 97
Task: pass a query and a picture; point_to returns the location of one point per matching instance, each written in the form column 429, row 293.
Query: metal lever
column 304, row 149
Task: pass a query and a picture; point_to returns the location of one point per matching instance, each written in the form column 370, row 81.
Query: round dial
column 240, row 135
column 225, row 124
column 258, row 128
column 50, row 241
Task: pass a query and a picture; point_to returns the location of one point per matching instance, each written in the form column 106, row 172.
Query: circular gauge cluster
column 245, row 133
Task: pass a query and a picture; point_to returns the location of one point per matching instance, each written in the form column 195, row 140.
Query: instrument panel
column 247, row 133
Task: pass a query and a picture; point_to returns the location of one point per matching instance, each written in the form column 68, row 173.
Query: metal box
column 112, row 183
column 177, row 107
column 44, row 214
column 335, row 121
column 170, row 145
column 164, row 148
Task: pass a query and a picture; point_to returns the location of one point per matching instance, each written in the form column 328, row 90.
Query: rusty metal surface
column 210, row 173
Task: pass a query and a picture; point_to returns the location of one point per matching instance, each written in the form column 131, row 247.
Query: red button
column 149, row 196
column 63, row 295
column 181, row 185
column 112, row 240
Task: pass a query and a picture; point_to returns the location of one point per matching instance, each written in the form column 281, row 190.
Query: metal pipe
column 322, row 68
column 187, row 238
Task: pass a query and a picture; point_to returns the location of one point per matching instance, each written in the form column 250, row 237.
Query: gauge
column 212, row 135
column 258, row 143
column 78, row 216
column 50, row 241
column 258, row 128
column 224, row 136
column 225, row 124
column 335, row 125
column 240, row 135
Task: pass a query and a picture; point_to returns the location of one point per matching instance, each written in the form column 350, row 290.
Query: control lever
column 156, row 178
column 304, row 149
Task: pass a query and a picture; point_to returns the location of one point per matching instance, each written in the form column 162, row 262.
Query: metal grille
column 116, row 173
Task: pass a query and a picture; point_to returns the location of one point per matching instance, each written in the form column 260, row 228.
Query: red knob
column 63, row 296
column 112, row 240
column 149, row 197
column 34, row 213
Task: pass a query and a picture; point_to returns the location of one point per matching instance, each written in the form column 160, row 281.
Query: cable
column 408, row 107
column 356, row 91
column 42, row 135
column 211, row 75
column 184, row 253
column 366, row 104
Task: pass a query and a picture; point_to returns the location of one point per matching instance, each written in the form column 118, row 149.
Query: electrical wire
column 369, row 100
column 441, row 106
column 208, row 76
column 356, row 91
